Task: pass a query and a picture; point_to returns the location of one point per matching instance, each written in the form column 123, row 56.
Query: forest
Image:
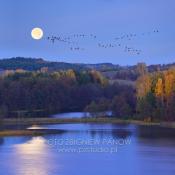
column 156, row 95
column 41, row 92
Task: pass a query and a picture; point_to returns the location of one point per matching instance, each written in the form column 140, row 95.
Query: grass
column 32, row 132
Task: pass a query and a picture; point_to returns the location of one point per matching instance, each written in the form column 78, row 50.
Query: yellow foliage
column 143, row 85
column 159, row 88
column 169, row 82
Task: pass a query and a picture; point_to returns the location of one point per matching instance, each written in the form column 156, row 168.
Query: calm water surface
column 77, row 152
column 71, row 115
column 79, row 114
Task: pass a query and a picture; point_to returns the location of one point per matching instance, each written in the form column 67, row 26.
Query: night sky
column 107, row 19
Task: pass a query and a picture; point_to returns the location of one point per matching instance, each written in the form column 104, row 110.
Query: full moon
column 37, row 33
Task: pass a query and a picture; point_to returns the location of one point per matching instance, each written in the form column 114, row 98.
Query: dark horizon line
column 115, row 64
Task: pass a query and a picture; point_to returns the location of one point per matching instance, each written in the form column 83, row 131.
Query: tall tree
column 142, row 69
column 143, row 85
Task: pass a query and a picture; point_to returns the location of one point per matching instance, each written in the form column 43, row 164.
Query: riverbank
column 45, row 121
column 30, row 132
column 41, row 121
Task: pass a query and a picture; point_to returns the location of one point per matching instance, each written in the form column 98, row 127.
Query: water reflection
column 34, row 146
column 33, row 157
column 1, row 141
column 155, row 132
column 100, row 130
column 116, row 133
column 80, row 114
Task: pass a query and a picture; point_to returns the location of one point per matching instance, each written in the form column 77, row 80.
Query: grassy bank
column 32, row 132
column 40, row 121
column 44, row 121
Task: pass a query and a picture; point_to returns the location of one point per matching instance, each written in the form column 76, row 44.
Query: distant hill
column 109, row 70
column 32, row 64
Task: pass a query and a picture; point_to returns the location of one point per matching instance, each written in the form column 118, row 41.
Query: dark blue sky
column 105, row 18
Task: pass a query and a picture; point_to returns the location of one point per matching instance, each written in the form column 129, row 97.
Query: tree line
column 40, row 93
column 156, row 95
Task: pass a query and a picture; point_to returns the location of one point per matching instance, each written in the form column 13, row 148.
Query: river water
column 80, row 114
column 89, row 149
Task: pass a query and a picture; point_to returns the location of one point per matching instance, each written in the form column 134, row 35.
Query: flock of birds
column 74, row 41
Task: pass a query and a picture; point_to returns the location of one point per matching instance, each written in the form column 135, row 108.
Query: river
column 89, row 149
column 80, row 114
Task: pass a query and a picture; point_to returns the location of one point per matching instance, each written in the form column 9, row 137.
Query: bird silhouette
column 75, row 40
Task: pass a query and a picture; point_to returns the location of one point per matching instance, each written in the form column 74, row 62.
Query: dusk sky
column 107, row 19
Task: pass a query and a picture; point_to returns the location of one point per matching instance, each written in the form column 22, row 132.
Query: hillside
column 33, row 64
column 109, row 70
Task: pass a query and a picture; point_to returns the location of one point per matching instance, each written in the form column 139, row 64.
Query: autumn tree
column 120, row 107
column 169, row 93
column 143, row 85
column 161, row 86
column 146, row 107
column 141, row 69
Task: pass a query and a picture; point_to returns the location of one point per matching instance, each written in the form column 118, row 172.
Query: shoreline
column 30, row 132
column 50, row 121
column 41, row 121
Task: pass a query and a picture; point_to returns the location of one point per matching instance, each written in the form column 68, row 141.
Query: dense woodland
column 45, row 91
column 41, row 92
column 156, row 95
